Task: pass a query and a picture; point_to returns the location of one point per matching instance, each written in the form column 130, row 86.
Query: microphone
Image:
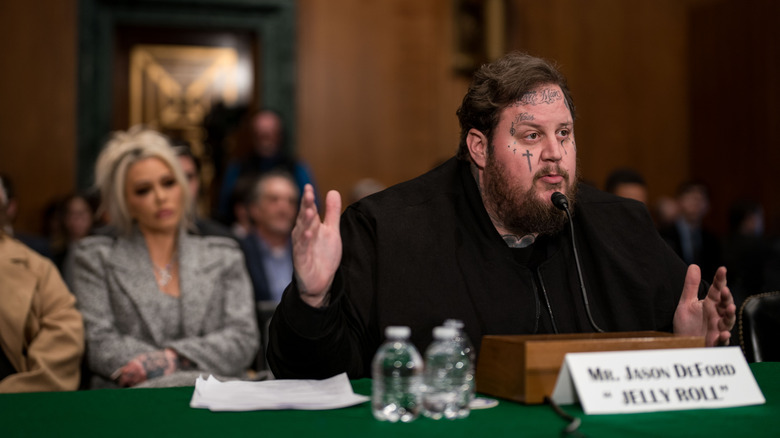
column 560, row 202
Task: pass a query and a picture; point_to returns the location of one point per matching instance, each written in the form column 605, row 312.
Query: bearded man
column 479, row 239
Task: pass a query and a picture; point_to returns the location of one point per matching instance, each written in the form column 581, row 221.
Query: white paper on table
column 333, row 393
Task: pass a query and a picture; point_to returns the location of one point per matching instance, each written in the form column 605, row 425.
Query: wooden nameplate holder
column 524, row 368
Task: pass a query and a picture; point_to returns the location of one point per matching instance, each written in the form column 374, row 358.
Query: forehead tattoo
column 538, row 97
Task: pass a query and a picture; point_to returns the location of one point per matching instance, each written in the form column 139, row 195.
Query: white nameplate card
column 657, row 380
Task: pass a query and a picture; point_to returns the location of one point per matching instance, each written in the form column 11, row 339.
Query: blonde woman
column 159, row 305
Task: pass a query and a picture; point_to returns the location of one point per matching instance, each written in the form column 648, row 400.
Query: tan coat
column 41, row 332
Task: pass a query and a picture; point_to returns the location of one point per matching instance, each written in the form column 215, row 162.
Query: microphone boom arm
column 560, row 201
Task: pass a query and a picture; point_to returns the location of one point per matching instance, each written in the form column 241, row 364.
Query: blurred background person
column 363, row 188
column 36, row 243
column 41, row 332
column 190, row 165
column 687, row 235
column 749, row 256
column 665, row 212
column 627, row 183
column 267, row 152
column 240, row 223
column 160, row 305
column 272, row 209
column 76, row 215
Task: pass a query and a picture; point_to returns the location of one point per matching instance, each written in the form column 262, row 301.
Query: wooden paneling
column 376, row 91
column 37, row 102
column 735, row 67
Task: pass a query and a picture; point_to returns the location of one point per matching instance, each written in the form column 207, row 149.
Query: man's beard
column 522, row 212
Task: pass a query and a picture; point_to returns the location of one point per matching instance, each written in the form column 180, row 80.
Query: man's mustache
column 549, row 170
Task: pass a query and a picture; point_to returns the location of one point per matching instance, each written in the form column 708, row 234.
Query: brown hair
column 499, row 84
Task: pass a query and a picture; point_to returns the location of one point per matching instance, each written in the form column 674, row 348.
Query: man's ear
column 478, row 146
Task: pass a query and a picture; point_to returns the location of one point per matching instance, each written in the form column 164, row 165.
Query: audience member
column 160, row 305
column 627, row 183
column 51, row 225
column 479, row 239
column 747, row 253
column 267, row 248
column 267, row 152
column 687, row 235
column 271, row 208
column 363, row 188
column 76, row 218
column 240, row 223
column 666, row 212
column 41, row 332
column 36, row 243
column 190, row 165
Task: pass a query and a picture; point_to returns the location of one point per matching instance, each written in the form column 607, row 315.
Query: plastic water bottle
column 446, row 389
column 397, row 373
column 465, row 343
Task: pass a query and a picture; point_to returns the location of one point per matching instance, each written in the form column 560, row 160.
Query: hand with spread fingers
column 317, row 247
column 713, row 317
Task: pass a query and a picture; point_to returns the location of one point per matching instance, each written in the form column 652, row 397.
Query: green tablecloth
column 166, row 412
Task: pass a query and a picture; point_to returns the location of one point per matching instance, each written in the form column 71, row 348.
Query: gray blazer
column 115, row 287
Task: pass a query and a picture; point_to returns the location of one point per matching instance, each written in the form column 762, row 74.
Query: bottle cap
column 444, row 332
column 458, row 324
column 397, row 331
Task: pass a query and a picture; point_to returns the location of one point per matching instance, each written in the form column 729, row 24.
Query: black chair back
column 759, row 327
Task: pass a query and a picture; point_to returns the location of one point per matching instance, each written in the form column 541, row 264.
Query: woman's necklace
column 164, row 274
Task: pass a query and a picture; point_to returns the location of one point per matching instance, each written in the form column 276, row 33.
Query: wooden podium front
column 524, row 368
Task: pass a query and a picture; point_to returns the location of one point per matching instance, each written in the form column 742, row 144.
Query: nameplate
column 657, row 380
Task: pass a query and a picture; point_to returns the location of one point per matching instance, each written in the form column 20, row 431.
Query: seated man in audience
column 41, row 332
column 265, row 141
column 272, row 207
column 688, row 236
column 480, row 239
column 627, row 183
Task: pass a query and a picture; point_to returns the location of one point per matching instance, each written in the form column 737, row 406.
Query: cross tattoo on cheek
column 528, row 155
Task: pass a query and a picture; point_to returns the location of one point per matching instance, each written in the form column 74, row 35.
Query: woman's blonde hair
column 124, row 149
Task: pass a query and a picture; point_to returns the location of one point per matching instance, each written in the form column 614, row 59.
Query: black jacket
column 425, row 250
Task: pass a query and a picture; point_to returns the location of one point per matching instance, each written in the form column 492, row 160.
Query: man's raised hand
column 316, row 246
column 713, row 317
